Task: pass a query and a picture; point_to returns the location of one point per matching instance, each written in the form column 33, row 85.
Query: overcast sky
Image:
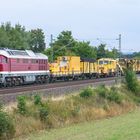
column 87, row 19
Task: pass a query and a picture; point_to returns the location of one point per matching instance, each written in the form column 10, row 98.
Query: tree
column 65, row 38
column 4, row 40
column 84, row 50
column 112, row 54
column 37, row 40
column 67, row 45
column 18, row 38
column 62, row 46
column 13, row 37
column 101, row 52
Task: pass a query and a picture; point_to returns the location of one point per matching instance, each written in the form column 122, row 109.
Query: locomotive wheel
column 21, row 81
column 83, row 77
column 13, row 82
column 97, row 76
column 47, row 80
column 7, row 82
column 66, row 78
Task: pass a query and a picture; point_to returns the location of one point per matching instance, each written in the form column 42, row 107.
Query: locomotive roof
column 27, row 54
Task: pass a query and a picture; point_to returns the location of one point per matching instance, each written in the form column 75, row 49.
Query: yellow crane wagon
column 65, row 68
column 73, row 67
column 107, row 67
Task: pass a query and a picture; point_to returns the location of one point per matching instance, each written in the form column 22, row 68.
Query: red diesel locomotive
column 19, row 67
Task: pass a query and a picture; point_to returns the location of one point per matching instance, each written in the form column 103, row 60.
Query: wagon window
column 105, row 62
column 100, row 62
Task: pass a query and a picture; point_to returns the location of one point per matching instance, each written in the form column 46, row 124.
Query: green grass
column 124, row 127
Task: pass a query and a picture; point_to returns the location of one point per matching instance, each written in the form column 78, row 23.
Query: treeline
column 17, row 37
column 65, row 44
column 133, row 55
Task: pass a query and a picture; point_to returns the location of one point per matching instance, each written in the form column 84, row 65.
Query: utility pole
column 119, row 57
column 120, row 40
column 51, row 44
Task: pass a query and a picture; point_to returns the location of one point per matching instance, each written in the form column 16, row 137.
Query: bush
column 114, row 95
column 43, row 113
column 131, row 81
column 87, row 92
column 22, row 105
column 7, row 129
column 111, row 95
column 37, row 100
column 1, row 105
column 102, row 91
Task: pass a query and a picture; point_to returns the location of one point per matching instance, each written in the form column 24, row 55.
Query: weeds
column 7, row 129
column 43, row 113
column 131, row 82
column 111, row 94
column 22, row 105
column 86, row 93
column 37, row 100
column 114, row 95
column 102, row 91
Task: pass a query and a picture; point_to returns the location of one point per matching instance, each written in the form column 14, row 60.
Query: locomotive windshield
column 101, row 62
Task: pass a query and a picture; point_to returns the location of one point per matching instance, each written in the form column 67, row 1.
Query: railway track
column 28, row 88
column 8, row 95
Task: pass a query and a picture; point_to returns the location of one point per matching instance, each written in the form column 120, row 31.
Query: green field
column 124, row 127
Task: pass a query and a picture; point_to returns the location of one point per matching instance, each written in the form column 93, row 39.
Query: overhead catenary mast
column 120, row 39
column 51, row 44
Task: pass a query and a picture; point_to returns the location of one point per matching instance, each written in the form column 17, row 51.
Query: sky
column 97, row 21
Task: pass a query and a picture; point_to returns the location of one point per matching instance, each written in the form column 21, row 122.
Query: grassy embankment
column 124, row 127
column 36, row 113
column 90, row 104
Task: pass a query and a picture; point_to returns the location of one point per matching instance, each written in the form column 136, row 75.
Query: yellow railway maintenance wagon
column 65, row 67
column 130, row 63
column 136, row 65
column 107, row 67
column 88, row 68
column 74, row 67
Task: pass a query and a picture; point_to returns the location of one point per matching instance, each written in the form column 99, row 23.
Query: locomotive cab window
column 4, row 60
